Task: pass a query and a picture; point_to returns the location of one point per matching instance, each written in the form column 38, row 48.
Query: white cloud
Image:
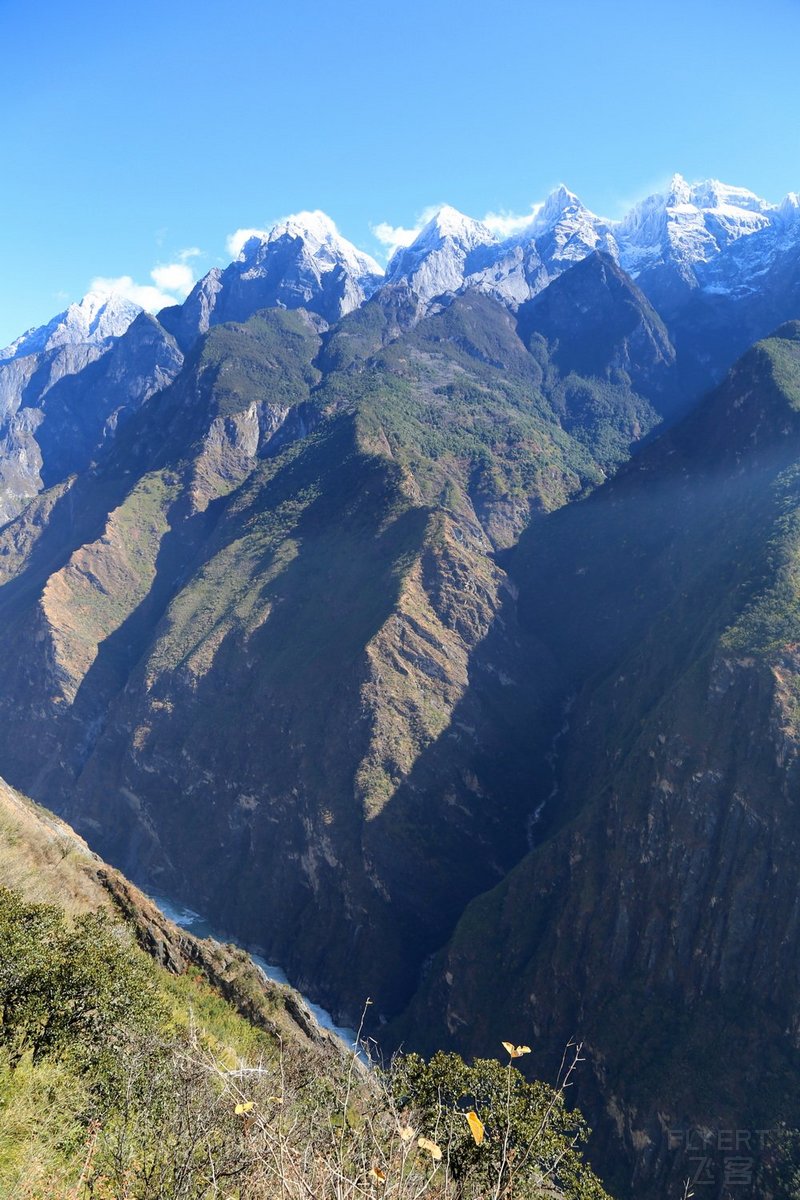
column 171, row 284
column 174, row 277
column 148, row 297
column 190, row 252
column 506, row 224
column 235, row 241
column 393, row 236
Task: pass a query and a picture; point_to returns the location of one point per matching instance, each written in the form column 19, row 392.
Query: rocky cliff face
column 64, row 390
column 320, row 542
column 43, row 859
column 660, row 902
column 302, row 262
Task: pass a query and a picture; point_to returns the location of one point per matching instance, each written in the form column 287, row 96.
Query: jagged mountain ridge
column 95, row 318
column 303, row 262
column 684, row 232
column 704, row 254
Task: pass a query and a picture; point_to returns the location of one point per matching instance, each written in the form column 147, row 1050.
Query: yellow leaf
column 244, row 1108
column 516, row 1051
column 406, row 1132
column 276, row 1099
column 476, row 1127
column 434, row 1150
column 377, row 1174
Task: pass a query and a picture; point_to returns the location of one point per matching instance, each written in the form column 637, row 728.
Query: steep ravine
column 264, row 654
column 295, row 651
column 657, row 920
column 661, row 927
column 43, row 859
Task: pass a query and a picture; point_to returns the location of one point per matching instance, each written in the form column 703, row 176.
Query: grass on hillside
column 119, row 1082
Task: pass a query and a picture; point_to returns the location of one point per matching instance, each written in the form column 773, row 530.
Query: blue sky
column 131, row 134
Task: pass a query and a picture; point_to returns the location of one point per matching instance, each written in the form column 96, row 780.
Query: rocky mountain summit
column 40, row 413
column 705, row 255
column 689, row 224
column 453, row 252
column 303, row 262
column 682, row 238
column 95, row 318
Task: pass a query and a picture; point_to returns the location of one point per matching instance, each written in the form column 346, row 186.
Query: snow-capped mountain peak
column 314, row 227
column 319, row 240
column 436, row 261
column 560, row 201
column 448, row 224
column 95, row 318
column 712, row 194
column 565, row 230
column 678, row 192
column 688, row 234
column 688, row 224
column 103, row 314
column 302, row 262
column 789, row 209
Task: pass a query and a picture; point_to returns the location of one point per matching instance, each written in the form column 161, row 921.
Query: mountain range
column 434, row 630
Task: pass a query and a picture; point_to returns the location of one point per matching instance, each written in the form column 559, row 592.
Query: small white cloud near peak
column 236, row 242
column 145, row 295
column 393, row 236
column 174, row 277
column 398, row 237
column 171, row 284
column 507, row 224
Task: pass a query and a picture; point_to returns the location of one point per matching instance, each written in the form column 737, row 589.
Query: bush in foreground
column 120, row 1083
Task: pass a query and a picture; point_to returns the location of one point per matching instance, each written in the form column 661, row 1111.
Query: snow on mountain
column 688, row 224
column 52, row 410
column 692, row 239
column 323, row 244
column 789, row 209
column 438, row 260
column 690, row 235
column 92, row 320
column 566, row 231
column 454, row 251
column 302, row 262
column 739, row 270
column 563, row 233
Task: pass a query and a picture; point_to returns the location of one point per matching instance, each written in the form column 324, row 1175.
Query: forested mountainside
column 334, row 604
